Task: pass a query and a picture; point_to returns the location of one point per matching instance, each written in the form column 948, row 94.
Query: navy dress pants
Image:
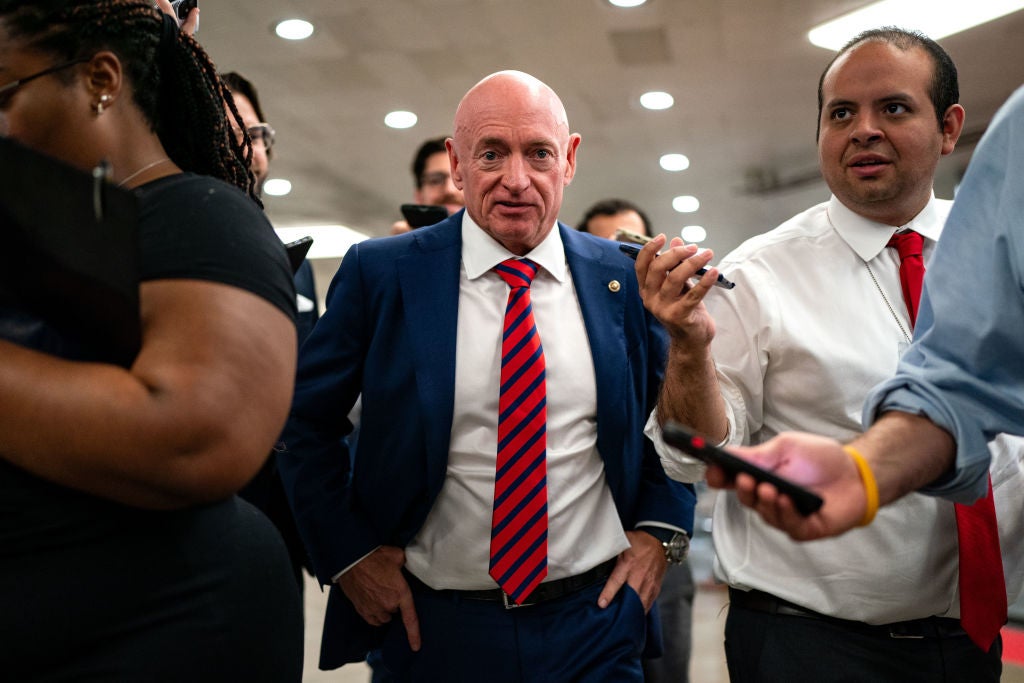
column 569, row 639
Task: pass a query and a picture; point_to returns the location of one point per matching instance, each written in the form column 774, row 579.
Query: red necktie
column 909, row 244
column 519, row 524
column 982, row 587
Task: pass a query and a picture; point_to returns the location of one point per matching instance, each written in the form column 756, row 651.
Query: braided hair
column 174, row 83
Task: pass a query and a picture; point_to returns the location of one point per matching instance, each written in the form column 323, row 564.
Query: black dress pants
column 762, row 647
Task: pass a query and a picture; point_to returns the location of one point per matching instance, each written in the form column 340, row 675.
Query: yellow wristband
column 870, row 485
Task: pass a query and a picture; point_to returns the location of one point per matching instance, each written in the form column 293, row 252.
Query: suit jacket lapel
column 603, row 305
column 429, row 281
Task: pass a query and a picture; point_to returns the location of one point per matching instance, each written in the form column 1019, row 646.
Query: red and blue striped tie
column 519, row 525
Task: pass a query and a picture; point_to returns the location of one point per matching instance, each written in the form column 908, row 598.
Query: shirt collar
column 868, row 238
column 481, row 252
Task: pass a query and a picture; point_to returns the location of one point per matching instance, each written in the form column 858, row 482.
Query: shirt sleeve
column 964, row 370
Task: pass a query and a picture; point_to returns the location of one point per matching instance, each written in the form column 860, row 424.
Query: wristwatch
column 675, row 543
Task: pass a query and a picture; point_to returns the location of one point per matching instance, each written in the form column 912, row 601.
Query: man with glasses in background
column 433, row 178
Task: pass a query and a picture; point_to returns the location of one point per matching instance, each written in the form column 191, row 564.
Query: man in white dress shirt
column 818, row 318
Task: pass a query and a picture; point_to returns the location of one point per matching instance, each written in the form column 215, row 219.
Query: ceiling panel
column 743, row 75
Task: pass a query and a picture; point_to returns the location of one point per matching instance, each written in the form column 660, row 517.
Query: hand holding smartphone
column 806, row 502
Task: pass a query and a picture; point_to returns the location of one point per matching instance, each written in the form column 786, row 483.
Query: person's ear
column 570, row 158
column 952, row 125
column 104, row 80
column 453, row 162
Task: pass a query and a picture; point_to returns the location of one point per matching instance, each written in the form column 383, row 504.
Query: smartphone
column 420, row 215
column 805, row 501
column 631, row 251
column 183, row 7
column 297, row 251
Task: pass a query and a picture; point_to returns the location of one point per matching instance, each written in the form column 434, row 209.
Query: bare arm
column 191, row 421
column 690, row 392
column 905, row 452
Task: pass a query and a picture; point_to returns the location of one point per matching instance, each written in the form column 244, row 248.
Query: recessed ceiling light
column 674, row 162
column 941, row 18
column 685, row 204
column 400, row 119
column 656, row 100
column 294, row 29
column 692, row 234
column 626, row 3
column 277, row 187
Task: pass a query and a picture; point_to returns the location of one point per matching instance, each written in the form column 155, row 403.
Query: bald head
column 502, row 87
column 512, row 155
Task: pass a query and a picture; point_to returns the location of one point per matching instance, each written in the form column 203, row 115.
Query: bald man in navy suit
column 414, row 324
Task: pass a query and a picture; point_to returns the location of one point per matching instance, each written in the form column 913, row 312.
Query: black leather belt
column 929, row 627
column 550, row 590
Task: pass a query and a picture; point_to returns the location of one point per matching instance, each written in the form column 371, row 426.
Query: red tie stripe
column 519, row 524
column 982, row 585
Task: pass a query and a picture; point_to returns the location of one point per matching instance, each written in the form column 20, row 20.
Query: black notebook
column 69, row 282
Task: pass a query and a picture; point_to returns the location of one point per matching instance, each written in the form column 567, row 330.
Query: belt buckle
column 509, row 603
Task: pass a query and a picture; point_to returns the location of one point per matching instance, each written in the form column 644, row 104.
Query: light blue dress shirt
column 965, row 368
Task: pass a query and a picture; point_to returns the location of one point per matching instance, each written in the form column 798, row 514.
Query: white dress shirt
column 451, row 550
column 816, row 320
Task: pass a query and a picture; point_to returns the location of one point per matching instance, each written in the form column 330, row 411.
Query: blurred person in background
column 433, row 178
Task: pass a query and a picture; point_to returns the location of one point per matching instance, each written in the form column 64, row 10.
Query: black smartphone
column 420, row 215
column 297, row 251
column 676, row 435
column 183, row 7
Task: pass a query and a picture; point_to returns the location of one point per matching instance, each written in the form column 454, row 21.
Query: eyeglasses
column 260, row 134
column 7, row 91
column 436, row 179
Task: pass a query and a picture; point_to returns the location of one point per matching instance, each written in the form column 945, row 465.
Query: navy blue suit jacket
column 389, row 334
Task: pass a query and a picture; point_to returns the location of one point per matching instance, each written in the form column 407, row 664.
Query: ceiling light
column 277, row 187
column 685, row 204
column 294, row 29
column 627, row 3
column 674, row 162
column 329, row 241
column 693, row 233
column 940, row 18
column 400, row 119
column 656, row 100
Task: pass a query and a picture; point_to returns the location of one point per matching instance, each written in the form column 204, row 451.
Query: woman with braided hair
column 124, row 555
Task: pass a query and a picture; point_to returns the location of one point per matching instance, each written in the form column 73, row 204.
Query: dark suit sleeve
column 314, row 459
column 661, row 498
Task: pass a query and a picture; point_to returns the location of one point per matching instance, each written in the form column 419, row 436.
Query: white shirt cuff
column 678, row 465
